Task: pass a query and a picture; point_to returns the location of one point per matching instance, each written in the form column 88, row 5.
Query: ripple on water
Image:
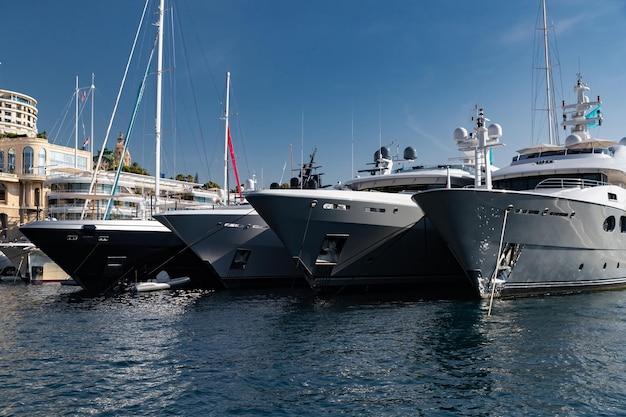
column 281, row 353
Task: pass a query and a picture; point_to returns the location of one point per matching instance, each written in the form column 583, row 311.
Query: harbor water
column 293, row 354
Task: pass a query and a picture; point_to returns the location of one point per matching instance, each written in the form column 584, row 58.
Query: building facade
column 18, row 113
column 25, row 162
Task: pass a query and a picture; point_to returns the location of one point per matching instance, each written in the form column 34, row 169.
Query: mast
column 352, row 148
column 76, row 126
column 93, row 90
column 301, row 148
column 548, row 69
column 157, row 133
column 226, row 127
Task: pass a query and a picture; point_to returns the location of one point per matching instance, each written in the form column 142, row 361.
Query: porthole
column 604, row 266
column 609, row 224
column 618, row 264
column 580, row 267
column 622, row 224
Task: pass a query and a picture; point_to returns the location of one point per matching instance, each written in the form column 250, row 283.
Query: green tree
column 185, row 178
column 135, row 168
column 210, row 185
column 108, row 159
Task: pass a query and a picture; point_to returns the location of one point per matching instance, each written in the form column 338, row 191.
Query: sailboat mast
column 76, row 126
column 93, row 90
column 226, row 127
column 546, row 56
column 352, row 148
column 157, row 133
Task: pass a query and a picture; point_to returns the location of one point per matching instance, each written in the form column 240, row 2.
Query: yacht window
column 622, row 224
column 529, row 183
column 609, row 224
column 612, row 196
column 240, row 260
column 331, row 249
column 374, row 210
column 332, row 206
column 552, row 153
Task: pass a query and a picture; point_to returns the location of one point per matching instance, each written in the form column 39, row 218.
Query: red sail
column 234, row 162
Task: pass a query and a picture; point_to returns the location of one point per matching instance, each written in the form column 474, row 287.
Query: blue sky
column 418, row 67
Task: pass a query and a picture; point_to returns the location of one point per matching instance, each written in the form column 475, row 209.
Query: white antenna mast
column 76, row 127
column 226, row 127
column 301, row 148
column 352, row 149
column 157, row 132
column 93, row 90
column 546, row 55
column 380, row 132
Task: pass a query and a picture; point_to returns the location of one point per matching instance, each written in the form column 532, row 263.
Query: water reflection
column 290, row 353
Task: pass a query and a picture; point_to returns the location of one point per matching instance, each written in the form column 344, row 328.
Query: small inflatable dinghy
column 162, row 282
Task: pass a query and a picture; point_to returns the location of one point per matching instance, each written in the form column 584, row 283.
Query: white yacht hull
column 551, row 244
column 31, row 264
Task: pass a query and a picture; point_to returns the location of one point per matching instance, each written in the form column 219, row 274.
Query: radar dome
column 460, row 134
column 573, row 139
column 382, row 152
column 495, row 131
column 410, row 153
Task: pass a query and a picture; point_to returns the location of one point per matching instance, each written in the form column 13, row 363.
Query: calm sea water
column 292, row 354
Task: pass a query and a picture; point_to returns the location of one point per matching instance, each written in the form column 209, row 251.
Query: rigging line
column 117, row 100
column 194, row 97
column 79, row 115
column 60, row 125
column 385, row 239
column 240, row 131
column 558, row 60
column 173, row 95
column 209, row 233
column 128, row 135
column 203, row 55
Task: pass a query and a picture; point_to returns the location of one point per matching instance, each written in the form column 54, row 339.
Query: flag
column 234, row 163
column 592, row 115
column 83, row 96
column 86, row 143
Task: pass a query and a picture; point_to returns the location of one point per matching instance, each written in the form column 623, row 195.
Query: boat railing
column 569, row 183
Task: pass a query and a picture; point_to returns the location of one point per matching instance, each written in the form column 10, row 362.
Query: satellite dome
column 622, row 141
column 460, row 134
column 573, row 139
column 410, row 153
column 382, row 152
column 495, row 131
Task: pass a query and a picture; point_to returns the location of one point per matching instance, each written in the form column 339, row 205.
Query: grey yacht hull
column 343, row 240
column 237, row 244
column 551, row 244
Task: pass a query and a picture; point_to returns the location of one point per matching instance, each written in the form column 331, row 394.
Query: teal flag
column 593, row 114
